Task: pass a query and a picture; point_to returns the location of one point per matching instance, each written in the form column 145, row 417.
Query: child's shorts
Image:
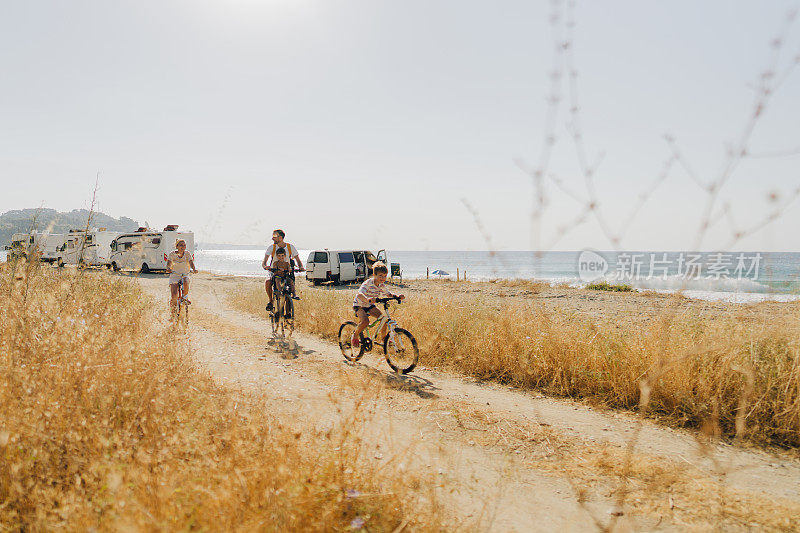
column 366, row 309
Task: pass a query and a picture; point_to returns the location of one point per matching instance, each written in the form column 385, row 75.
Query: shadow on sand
column 406, row 383
column 287, row 348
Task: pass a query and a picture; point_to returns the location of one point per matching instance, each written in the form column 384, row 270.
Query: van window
column 320, row 257
column 346, row 257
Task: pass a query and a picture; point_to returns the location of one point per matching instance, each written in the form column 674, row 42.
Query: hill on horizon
column 25, row 220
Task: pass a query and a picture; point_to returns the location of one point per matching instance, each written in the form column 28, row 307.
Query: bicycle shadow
column 423, row 388
column 408, row 383
column 287, row 348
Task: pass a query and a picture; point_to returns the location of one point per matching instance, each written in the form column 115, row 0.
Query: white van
column 86, row 248
column 145, row 250
column 340, row 266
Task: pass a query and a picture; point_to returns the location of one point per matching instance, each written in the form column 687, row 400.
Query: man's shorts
column 176, row 277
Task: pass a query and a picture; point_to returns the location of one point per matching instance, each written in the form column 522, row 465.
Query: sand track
column 504, row 459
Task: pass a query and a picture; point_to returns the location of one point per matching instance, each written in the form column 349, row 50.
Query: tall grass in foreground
column 736, row 376
column 105, row 423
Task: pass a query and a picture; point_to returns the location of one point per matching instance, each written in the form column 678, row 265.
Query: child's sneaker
column 269, row 307
column 295, row 297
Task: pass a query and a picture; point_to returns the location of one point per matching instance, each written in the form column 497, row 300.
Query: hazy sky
column 365, row 123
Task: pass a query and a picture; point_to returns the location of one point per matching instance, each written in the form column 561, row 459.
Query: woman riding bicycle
column 179, row 264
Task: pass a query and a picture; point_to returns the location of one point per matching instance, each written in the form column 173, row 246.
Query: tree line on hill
column 26, row 220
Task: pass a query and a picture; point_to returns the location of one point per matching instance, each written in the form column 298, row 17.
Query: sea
column 726, row 276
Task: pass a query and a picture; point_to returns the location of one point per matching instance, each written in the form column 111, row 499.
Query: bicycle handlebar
column 387, row 300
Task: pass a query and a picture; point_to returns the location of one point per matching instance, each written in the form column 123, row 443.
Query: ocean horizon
column 729, row 276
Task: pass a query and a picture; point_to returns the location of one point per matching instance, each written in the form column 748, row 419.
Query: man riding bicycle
column 270, row 258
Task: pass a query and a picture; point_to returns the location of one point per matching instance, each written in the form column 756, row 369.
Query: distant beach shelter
column 440, row 273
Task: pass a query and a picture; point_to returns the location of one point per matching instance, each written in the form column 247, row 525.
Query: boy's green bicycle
column 399, row 345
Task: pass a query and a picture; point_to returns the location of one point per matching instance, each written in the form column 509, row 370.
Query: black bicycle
column 282, row 314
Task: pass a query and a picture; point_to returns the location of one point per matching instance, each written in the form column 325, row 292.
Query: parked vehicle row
column 142, row 250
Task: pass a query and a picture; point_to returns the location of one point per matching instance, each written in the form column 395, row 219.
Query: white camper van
column 22, row 245
column 32, row 244
column 46, row 245
column 341, row 266
column 145, row 250
column 86, row 248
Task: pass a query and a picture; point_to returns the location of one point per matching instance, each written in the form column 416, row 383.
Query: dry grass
column 107, row 424
column 531, row 285
column 732, row 375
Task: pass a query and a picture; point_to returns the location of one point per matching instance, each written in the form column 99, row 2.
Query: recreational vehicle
column 86, row 248
column 21, row 246
column 24, row 245
column 341, row 266
column 145, row 250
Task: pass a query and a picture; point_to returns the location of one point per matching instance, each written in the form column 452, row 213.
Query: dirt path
column 503, row 459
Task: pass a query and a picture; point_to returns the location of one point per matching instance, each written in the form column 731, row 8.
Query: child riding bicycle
column 364, row 302
column 282, row 269
column 179, row 264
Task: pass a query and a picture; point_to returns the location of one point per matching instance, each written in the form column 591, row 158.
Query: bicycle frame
column 378, row 324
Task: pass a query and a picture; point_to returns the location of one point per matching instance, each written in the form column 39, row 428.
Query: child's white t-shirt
column 369, row 289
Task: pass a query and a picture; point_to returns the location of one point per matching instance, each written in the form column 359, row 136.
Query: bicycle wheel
column 184, row 317
column 401, row 352
column 279, row 310
column 346, row 331
column 288, row 316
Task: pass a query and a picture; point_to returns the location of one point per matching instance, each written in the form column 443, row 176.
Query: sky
column 405, row 124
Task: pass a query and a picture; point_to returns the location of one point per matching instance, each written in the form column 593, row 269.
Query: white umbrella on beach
column 440, row 273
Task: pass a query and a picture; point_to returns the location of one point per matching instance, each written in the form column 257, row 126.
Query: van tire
column 335, row 279
column 145, row 269
column 316, row 281
column 60, row 262
column 115, row 267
